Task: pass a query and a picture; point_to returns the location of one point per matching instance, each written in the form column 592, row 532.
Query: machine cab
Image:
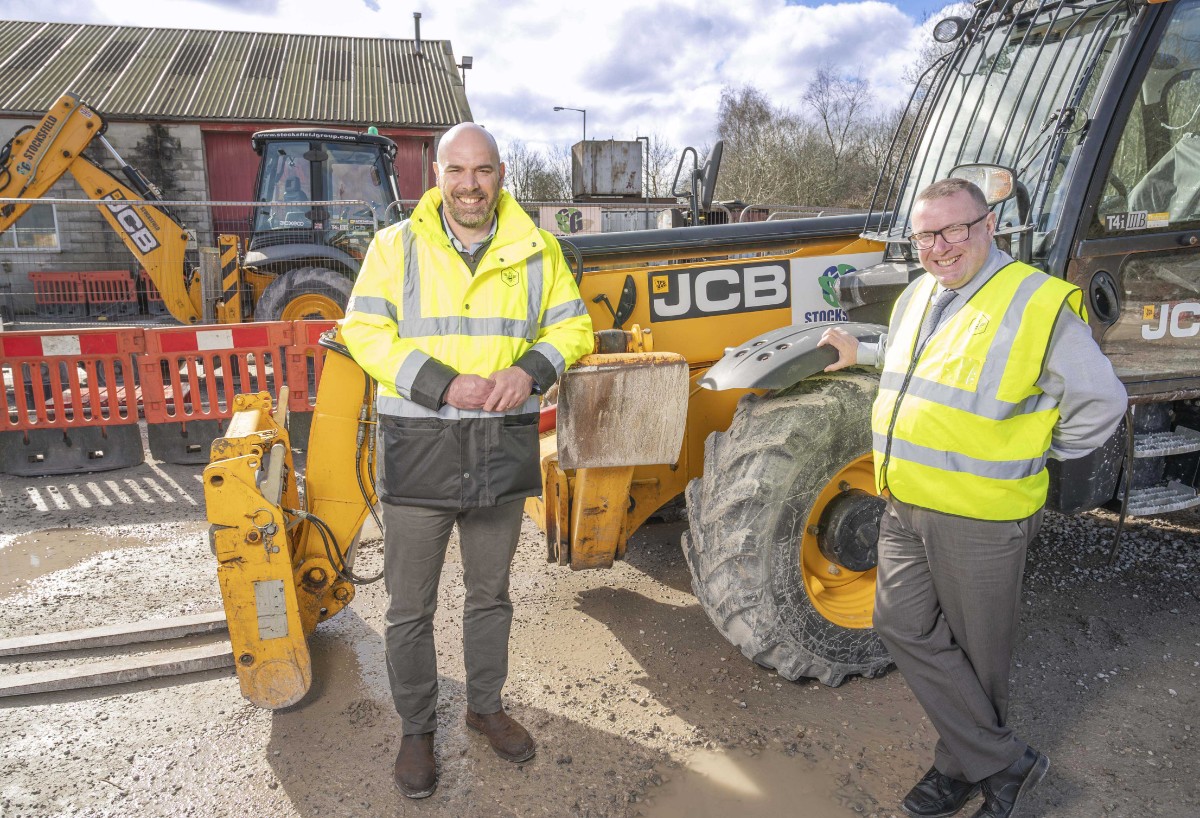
column 303, row 166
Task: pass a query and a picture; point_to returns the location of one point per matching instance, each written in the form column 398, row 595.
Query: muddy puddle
column 720, row 784
column 33, row 555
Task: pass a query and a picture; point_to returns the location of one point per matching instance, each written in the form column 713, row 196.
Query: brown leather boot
column 415, row 773
column 508, row 738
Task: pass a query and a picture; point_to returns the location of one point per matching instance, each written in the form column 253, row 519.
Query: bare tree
column 660, row 166
column 536, row 176
column 840, row 105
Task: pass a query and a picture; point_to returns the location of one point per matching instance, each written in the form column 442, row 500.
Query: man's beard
column 471, row 218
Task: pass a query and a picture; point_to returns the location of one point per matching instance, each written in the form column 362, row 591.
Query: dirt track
column 639, row 707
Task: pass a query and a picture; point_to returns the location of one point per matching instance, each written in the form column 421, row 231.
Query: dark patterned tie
column 936, row 308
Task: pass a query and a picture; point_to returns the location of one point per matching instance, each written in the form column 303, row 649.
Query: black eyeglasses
column 954, row 234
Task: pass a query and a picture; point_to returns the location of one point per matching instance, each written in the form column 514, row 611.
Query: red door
column 232, row 166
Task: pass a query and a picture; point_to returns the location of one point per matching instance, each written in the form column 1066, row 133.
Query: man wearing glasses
column 988, row 367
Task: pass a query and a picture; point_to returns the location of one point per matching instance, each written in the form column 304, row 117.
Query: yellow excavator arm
column 284, row 566
column 38, row 157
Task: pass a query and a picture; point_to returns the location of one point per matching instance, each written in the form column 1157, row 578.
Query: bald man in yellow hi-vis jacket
column 464, row 314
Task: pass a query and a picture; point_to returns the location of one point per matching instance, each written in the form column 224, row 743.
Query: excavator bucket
column 599, row 423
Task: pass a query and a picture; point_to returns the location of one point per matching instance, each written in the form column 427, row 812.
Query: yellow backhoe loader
column 302, row 252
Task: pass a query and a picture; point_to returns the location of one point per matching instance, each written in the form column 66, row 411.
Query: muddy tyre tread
column 301, row 281
column 760, row 480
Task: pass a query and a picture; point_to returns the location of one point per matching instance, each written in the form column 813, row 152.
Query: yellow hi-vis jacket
column 417, row 318
column 962, row 427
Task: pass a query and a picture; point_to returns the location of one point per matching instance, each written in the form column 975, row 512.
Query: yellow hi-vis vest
column 963, row 429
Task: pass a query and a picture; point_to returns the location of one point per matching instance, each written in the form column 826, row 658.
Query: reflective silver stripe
column 407, row 373
column 985, row 406
column 461, row 325
column 533, row 271
column 902, row 304
column 983, row 401
column 412, row 275
column 371, row 305
column 399, row 407
column 571, row 309
column 552, row 355
column 957, row 462
column 1006, row 335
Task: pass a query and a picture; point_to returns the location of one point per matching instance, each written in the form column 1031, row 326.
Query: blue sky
column 638, row 67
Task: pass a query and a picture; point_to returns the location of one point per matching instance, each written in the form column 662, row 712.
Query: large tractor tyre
column 791, row 462
column 304, row 292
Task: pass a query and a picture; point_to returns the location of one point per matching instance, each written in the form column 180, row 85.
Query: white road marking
column 36, row 497
column 83, row 502
column 116, row 490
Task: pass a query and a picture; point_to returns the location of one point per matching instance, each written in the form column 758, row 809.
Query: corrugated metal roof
column 128, row 72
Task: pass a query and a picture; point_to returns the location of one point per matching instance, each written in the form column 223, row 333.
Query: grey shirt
column 1091, row 399
column 470, row 255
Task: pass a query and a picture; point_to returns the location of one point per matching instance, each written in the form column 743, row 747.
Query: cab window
column 1154, row 181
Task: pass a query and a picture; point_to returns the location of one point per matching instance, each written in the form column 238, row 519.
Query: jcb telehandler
column 307, row 237
column 1082, row 122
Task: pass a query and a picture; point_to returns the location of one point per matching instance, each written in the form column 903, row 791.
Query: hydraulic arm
column 284, row 565
column 36, row 158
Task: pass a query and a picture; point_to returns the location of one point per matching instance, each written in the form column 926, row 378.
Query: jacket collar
column 517, row 237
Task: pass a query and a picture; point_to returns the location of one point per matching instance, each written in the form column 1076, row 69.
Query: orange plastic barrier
column 305, row 359
column 190, row 376
column 154, row 300
column 73, row 404
column 110, row 292
column 58, row 294
column 72, row 398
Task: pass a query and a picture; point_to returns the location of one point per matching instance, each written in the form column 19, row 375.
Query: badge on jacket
column 509, row 276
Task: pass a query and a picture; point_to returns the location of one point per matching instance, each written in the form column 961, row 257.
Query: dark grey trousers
column 947, row 604
column 415, row 542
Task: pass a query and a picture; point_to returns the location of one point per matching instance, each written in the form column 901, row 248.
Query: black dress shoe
column 938, row 796
column 415, row 772
column 1003, row 791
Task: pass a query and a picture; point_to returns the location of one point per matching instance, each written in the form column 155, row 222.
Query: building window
column 37, row 229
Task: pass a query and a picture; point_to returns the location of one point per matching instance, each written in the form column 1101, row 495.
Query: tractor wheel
column 792, row 465
column 305, row 292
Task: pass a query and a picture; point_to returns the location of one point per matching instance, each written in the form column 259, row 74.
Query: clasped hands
column 498, row 392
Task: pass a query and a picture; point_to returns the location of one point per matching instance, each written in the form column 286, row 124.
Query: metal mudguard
column 781, row 357
column 266, row 257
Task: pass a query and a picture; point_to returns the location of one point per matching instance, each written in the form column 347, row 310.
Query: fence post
column 210, row 282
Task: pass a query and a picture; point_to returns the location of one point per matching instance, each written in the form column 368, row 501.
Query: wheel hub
column 849, row 529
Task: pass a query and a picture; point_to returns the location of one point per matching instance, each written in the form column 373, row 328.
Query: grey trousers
column 415, row 542
column 947, row 604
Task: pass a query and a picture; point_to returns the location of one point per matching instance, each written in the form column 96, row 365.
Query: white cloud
column 637, row 66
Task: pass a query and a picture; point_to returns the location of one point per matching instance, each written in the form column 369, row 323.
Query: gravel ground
column 638, row 705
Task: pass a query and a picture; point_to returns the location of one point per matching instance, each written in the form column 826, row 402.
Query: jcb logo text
column 132, row 223
column 718, row 291
column 1177, row 320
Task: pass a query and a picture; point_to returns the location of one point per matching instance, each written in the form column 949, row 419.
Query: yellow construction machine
column 302, row 252
column 1075, row 118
